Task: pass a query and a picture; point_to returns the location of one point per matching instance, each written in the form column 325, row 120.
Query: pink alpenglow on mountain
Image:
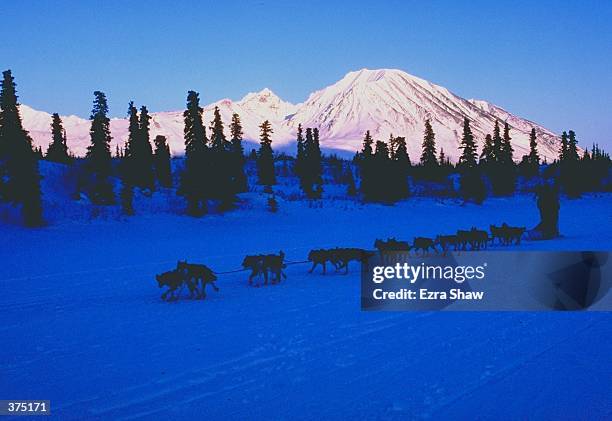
column 383, row 101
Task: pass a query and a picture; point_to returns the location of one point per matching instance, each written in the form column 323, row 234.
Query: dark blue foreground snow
column 82, row 323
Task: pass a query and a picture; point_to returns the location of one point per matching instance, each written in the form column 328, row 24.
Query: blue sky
column 550, row 62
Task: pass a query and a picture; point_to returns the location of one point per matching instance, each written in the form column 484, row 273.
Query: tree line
column 213, row 170
column 385, row 167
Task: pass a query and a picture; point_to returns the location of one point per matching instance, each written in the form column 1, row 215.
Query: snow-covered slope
column 394, row 102
column 383, row 101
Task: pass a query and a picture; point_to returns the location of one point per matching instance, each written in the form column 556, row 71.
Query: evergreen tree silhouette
column 429, row 168
column 572, row 147
column 382, row 176
column 220, row 163
column 534, row 157
column 58, row 149
column 487, row 154
column 300, row 157
column 428, row 156
column 238, row 154
column 467, row 146
column 442, row 157
column 472, row 186
column 306, row 177
column 368, row 142
column 506, row 155
column 400, row 154
column 530, row 164
column 498, row 161
column 400, row 168
column 218, row 141
column 365, row 162
column 497, row 142
column 564, row 146
column 265, row 156
column 162, row 158
column 193, row 179
column 19, row 176
column 315, row 163
column 139, row 154
column 571, row 177
column 311, row 165
column 595, row 168
column 98, row 153
column 147, row 178
column 127, row 172
column 129, row 165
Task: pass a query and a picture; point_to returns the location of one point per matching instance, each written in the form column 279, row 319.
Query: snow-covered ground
column 82, row 323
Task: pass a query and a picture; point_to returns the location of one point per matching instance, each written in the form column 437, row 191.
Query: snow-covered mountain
column 394, row 102
column 383, row 101
column 253, row 109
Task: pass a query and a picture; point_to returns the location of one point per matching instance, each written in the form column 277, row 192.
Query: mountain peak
column 266, row 104
column 265, row 95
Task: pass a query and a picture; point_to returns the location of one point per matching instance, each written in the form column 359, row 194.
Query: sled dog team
column 474, row 238
column 270, row 266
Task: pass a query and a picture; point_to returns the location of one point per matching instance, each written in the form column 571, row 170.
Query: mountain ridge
column 384, row 101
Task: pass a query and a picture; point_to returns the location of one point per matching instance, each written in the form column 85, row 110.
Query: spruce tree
column 383, row 177
column 133, row 129
column 129, row 164
column 571, row 177
column 300, row 157
column 487, row 154
column 501, row 169
column 534, row 157
column 530, row 163
column 310, row 167
column 382, row 151
column 428, row 156
column 305, row 178
column 144, row 125
column 467, row 146
column 316, row 164
column 442, row 157
column 238, row 154
column 218, row 141
column 193, row 178
column 400, row 168
column 365, row 162
column 220, row 163
column 265, row 156
column 471, row 184
column 564, row 146
column 497, row 142
column 367, row 145
column 58, row 149
column 572, row 147
column 19, row 176
column 506, row 147
column 163, row 170
column 400, row 153
column 98, row 153
column 139, row 154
